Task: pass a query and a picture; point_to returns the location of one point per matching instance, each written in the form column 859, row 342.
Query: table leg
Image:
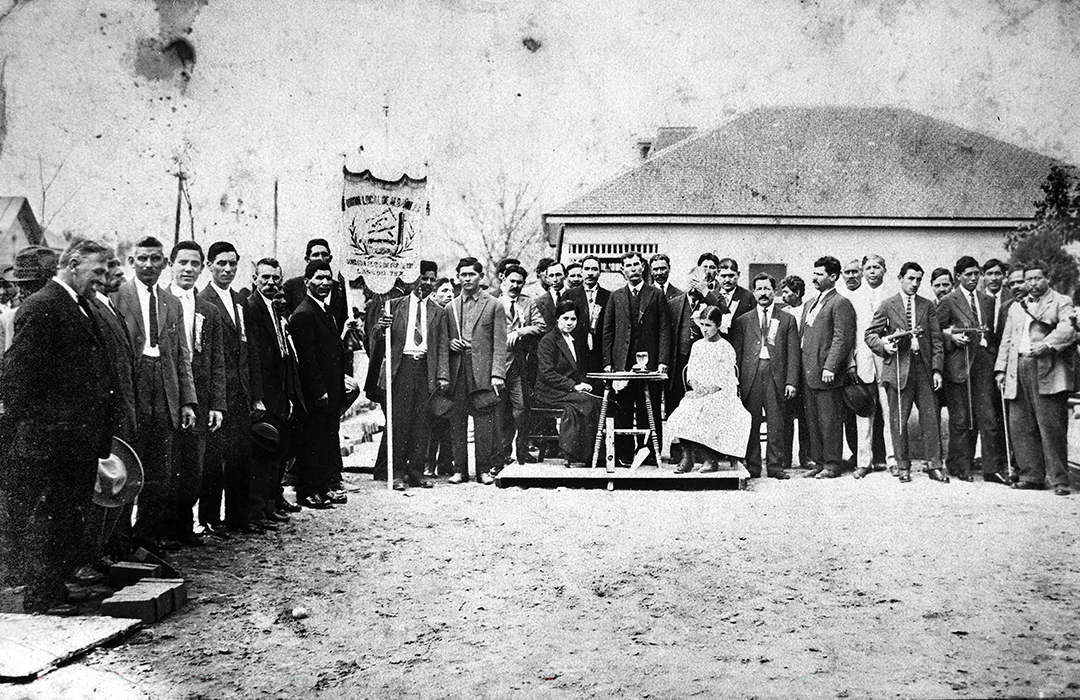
column 652, row 424
column 600, row 425
column 610, row 459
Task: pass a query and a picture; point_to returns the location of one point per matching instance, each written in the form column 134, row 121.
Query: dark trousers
column 765, row 401
column 318, row 452
column 189, row 454
column 267, row 469
column 987, row 419
column 227, row 468
column 157, row 500
column 440, row 451
column 632, row 409
column 49, row 481
column 1038, row 425
column 795, row 410
column 824, row 413
column 484, row 427
column 514, row 415
column 919, row 391
column 410, row 418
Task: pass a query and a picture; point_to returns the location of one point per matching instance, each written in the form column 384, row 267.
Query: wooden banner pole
column 389, row 404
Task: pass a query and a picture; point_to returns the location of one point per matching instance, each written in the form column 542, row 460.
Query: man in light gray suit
column 481, row 343
column 1035, row 373
column 164, row 388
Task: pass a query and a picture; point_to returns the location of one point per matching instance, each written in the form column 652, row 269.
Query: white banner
column 382, row 224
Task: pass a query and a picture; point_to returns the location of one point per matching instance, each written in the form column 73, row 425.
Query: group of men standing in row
column 215, row 390
column 884, row 346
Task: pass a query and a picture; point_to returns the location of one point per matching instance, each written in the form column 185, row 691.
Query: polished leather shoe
column 904, row 476
column 455, row 478
column 314, row 502
column 880, row 467
column 168, row 544
column 1028, row 486
column 400, row 485
column 277, row 517
column 336, row 497
column 190, row 539
column 995, row 478
column 265, row 524
column 244, row 529
column 779, row 475
column 861, row 472
column 429, row 472
column 827, row 474
column 286, row 507
column 1061, row 491
column 487, row 479
column 422, row 483
column 937, row 475
column 964, row 477
column 216, row 530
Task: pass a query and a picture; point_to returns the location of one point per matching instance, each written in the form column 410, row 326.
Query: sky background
column 286, row 89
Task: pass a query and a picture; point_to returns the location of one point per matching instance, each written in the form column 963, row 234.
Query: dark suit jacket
column 650, row 331
column 672, row 292
column 683, row 329
column 954, row 309
column 559, row 372
column 318, row 353
column 56, row 383
column 296, row 291
column 438, row 340
column 488, row 339
column 243, row 381
column 890, row 317
column 373, row 311
column 741, row 301
column 279, row 375
column 784, row 355
column 122, row 358
column 829, row 341
column 208, row 363
column 175, row 357
column 595, row 357
column 546, row 306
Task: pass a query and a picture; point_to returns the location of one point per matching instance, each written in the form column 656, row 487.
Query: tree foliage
column 1056, row 224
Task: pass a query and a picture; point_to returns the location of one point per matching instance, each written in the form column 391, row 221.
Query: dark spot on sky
column 533, row 45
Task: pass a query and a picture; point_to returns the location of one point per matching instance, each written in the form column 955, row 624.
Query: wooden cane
column 389, row 404
column 1008, row 449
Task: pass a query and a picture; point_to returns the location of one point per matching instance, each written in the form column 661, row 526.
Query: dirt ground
column 802, row 588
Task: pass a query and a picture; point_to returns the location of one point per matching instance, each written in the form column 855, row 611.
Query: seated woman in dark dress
column 560, row 383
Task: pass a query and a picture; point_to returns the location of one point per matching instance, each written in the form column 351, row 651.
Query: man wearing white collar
column 228, row 460
column 202, row 329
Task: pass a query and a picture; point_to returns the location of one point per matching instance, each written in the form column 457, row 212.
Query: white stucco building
column 779, row 187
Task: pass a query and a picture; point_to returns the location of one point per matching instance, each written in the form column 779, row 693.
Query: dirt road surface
column 803, row 588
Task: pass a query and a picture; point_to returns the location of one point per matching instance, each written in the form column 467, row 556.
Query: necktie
column 974, row 308
column 152, row 331
column 418, row 332
column 764, row 325
column 911, row 313
column 278, row 332
column 513, row 311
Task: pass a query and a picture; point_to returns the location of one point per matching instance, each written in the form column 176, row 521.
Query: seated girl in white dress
column 710, row 419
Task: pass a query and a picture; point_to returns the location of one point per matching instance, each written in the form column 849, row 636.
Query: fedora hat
column 265, row 436
column 859, row 398
column 36, row 262
column 119, row 477
column 440, row 404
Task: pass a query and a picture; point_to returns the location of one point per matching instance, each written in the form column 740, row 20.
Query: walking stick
column 971, row 405
column 1008, row 448
column 389, row 405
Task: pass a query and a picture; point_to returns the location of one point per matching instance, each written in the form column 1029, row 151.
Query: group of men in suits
column 216, row 391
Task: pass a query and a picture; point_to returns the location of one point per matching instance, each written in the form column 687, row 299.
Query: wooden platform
column 550, row 474
column 31, row 645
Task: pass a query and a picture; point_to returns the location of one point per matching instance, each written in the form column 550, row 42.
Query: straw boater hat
column 119, row 477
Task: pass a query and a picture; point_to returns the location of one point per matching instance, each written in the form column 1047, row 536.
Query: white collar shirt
column 74, row 296
column 569, row 340
column 143, row 293
column 416, row 306
column 187, row 303
column 226, row 298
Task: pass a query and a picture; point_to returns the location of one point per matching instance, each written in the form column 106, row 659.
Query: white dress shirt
column 569, row 339
column 411, row 348
column 143, row 293
column 187, row 303
column 226, row 298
